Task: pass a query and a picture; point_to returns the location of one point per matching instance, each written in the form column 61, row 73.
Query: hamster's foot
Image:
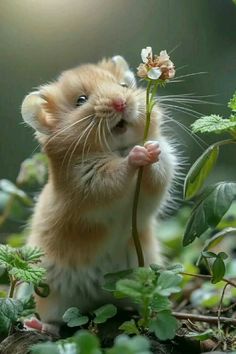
column 36, row 325
column 144, row 155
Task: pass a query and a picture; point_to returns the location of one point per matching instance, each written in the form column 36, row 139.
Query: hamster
column 90, row 124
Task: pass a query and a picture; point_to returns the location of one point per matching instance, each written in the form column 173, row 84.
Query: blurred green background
column 39, row 39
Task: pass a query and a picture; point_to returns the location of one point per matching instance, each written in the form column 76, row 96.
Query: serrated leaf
column 164, row 325
column 167, row 283
column 28, row 274
column 218, row 270
column 31, row 254
column 200, row 171
column 129, row 327
column 73, row 317
column 11, row 308
column 210, row 210
column 105, row 312
column 213, row 124
column 232, row 103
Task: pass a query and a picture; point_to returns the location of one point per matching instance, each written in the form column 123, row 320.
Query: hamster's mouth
column 120, row 127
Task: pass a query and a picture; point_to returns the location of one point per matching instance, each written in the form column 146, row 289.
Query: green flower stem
column 135, row 233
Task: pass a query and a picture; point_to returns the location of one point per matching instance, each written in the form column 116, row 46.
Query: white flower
column 146, row 54
column 154, row 73
column 155, row 67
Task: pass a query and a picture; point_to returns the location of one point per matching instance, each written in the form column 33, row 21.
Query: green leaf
column 10, row 308
column 130, row 288
column 73, row 317
column 208, row 254
column 33, row 170
column 105, row 312
column 232, row 102
column 12, row 189
column 160, row 303
column 167, row 283
column 87, row 343
column 200, row 336
column 164, row 325
column 216, row 239
column 200, row 171
column 45, row 348
column 129, row 327
column 13, row 260
column 218, row 270
column 213, row 124
column 223, row 255
column 209, row 211
column 125, row 345
column 30, row 254
column 112, row 278
column 27, row 273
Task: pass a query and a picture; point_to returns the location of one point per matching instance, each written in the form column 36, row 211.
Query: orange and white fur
column 90, row 123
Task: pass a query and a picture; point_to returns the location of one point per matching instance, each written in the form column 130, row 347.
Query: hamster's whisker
column 85, row 142
column 185, row 110
column 109, row 130
column 104, row 136
column 99, row 133
column 76, row 144
column 188, row 131
column 62, row 130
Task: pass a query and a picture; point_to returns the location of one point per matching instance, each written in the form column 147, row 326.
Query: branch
column 203, row 318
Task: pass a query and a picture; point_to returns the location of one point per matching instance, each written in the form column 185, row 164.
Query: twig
column 209, row 277
column 203, row 318
column 220, row 305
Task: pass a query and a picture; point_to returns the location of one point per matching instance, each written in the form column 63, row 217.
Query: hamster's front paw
column 144, row 155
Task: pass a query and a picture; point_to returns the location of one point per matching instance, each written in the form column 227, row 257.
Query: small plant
column 84, row 342
column 20, row 266
column 211, row 202
column 73, row 318
column 149, row 289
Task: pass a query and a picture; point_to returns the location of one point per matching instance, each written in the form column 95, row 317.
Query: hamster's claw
column 144, row 155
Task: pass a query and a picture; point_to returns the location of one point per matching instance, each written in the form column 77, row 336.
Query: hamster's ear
column 119, row 67
column 129, row 77
column 34, row 113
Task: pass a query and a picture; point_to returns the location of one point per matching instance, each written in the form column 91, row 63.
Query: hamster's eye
column 81, row 100
column 123, row 84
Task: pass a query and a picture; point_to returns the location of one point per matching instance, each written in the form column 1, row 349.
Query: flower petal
column 154, row 73
column 145, row 53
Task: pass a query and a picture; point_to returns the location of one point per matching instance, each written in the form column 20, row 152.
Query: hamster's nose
column 119, row 104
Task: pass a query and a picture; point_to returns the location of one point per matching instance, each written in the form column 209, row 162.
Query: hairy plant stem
column 135, row 233
column 12, row 287
column 13, row 283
